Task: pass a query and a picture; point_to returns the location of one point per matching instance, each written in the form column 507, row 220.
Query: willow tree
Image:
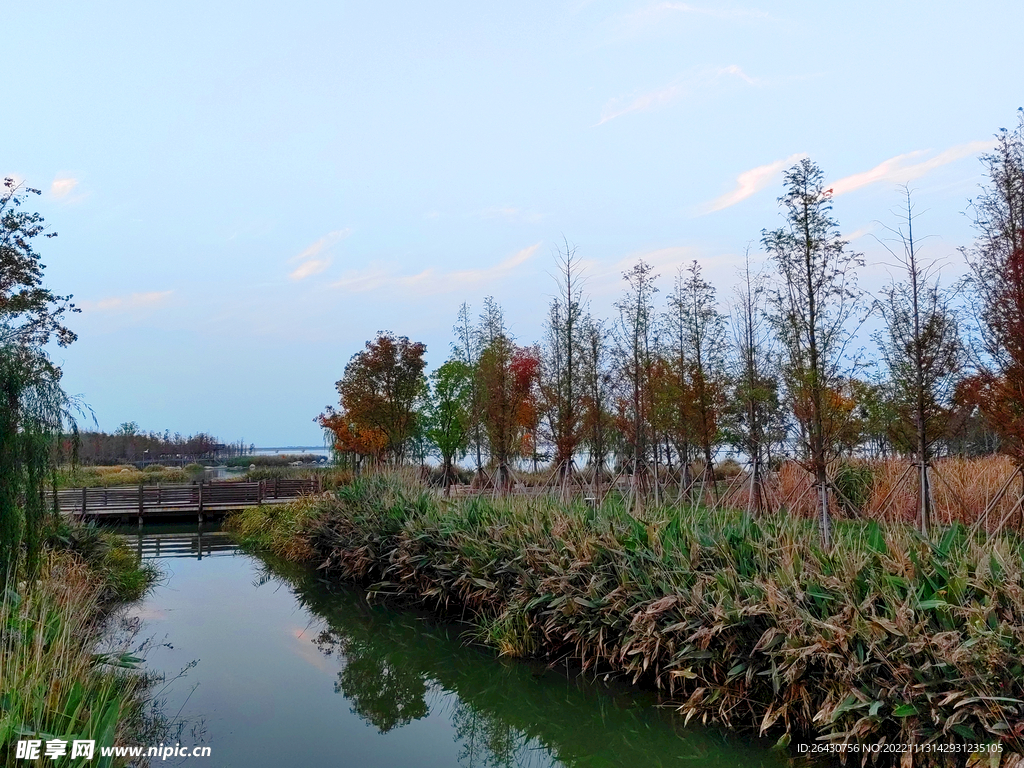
column 34, row 410
column 814, row 303
column 922, row 352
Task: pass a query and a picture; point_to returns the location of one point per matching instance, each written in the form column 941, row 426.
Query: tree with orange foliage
column 379, row 393
column 351, row 439
column 508, row 378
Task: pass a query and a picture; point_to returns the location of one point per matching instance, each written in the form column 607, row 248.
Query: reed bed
column 108, row 477
column 963, row 489
column 54, row 684
column 888, row 638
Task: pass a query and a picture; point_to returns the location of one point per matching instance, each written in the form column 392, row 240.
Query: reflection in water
column 383, row 692
column 399, row 666
column 181, row 541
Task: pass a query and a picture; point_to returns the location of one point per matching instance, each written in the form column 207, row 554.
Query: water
column 288, row 672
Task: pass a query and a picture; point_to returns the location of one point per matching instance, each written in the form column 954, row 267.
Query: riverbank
column 889, row 638
column 54, row 684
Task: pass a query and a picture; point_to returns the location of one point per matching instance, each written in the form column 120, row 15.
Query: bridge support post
column 141, row 501
column 200, row 501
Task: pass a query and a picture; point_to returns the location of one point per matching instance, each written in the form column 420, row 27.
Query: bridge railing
column 168, row 499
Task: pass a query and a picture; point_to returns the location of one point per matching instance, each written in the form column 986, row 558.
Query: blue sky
column 246, row 192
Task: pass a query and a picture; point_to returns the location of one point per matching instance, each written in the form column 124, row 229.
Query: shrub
column 854, row 481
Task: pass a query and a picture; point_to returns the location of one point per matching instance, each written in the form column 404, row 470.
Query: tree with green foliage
column 466, row 349
column 596, row 405
column 447, row 415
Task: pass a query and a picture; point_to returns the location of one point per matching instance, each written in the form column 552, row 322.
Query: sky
column 246, row 192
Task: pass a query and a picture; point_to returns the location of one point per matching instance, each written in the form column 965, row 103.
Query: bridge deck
column 203, row 498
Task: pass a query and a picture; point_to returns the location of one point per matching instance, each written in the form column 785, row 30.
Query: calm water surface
column 290, row 673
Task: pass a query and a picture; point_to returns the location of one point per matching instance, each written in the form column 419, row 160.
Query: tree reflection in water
column 383, row 690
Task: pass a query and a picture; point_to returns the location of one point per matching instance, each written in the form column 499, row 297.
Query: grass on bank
column 889, row 637
column 52, row 682
column 109, row 477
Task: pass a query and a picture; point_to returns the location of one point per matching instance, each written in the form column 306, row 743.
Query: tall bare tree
column 636, row 338
column 814, row 302
column 598, row 422
column 921, row 349
column 755, row 422
column 562, row 371
column 704, row 337
column 466, row 349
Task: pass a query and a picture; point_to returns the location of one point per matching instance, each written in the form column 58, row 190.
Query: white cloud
column 620, row 106
column 310, row 264
column 127, row 303
column 62, row 186
column 859, row 233
column 907, row 167
column 751, row 182
column 325, row 242
column 311, row 267
column 430, row 280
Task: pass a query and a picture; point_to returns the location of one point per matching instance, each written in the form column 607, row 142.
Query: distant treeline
column 131, row 445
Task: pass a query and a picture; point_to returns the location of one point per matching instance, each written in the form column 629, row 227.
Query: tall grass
column 108, row 477
column 889, row 637
column 962, row 489
column 52, row 683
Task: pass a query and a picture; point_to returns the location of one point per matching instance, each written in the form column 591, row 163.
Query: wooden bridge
column 200, row 499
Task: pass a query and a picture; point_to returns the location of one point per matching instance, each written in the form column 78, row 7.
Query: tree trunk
column 824, row 519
